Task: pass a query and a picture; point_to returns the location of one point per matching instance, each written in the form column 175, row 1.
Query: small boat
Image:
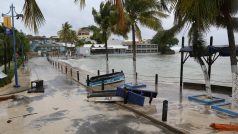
column 109, row 93
column 106, row 79
column 135, row 96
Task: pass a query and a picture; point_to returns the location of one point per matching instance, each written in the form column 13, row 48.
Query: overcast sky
column 57, row 12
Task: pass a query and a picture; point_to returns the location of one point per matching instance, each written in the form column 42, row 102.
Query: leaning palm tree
column 106, row 19
column 209, row 12
column 227, row 9
column 120, row 12
column 144, row 12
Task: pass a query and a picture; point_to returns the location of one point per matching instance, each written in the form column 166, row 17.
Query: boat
column 106, row 79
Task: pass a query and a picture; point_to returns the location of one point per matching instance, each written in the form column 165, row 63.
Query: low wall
column 215, row 88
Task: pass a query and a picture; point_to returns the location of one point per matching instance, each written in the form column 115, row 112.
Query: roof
column 101, row 46
column 222, row 50
column 2, row 75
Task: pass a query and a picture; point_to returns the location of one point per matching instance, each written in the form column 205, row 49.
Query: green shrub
column 10, row 73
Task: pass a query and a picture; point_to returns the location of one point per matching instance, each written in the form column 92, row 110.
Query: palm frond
column 152, row 22
column 81, row 3
column 196, row 40
column 33, row 17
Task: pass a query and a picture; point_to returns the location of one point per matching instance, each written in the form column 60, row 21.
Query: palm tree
column 65, row 34
column 144, row 12
column 200, row 15
column 120, row 11
column 227, row 10
column 106, row 19
column 197, row 16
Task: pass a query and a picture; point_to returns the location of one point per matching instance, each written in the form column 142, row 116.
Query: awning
column 2, row 75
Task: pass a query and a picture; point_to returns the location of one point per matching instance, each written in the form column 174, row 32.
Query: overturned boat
column 106, row 79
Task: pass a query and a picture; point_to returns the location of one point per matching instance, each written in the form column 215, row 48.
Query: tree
column 65, row 32
column 106, row 19
column 97, row 34
column 200, row 15
column 164, row 47
column 226, row 18
column 196, row 16
column 145, row 12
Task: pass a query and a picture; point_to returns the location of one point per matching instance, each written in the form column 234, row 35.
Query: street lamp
column 22, row 51
column 12, row 13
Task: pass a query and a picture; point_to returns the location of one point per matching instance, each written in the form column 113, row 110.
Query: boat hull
column 106, row 79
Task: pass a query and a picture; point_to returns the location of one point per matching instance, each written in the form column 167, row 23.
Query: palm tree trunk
column 134, row 52
column 107, row 63
column 206, row 77
column 231, row 38
column 5, row 57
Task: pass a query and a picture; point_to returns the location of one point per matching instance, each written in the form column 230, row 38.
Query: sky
column 57, row 12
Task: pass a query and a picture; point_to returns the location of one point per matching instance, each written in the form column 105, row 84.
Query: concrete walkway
column 64, row 108
column 183, row 116
column 24, row 82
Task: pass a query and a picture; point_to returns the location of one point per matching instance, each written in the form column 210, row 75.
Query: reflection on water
column 166, row 66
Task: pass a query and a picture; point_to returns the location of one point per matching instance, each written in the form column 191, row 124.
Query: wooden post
column 165, row 110
column 87, row 80
column 181, row 68
column 66, row 70
column 103, row 85
column 125, row 96
column 210, row 60
column 98, row 72
column 136, row 77
column 112, row 70
column 71, row 72
column 156, row 82
column 156, row 79
column 78, row 75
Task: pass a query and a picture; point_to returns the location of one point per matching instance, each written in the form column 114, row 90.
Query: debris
column 9, row 121
column 37, row 86
column 3, row 98
column 25, row 115
column 225, row 127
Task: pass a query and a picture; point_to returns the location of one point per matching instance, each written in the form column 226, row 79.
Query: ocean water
column 166, row 66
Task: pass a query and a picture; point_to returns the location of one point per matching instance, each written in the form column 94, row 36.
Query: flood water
column 166, row 66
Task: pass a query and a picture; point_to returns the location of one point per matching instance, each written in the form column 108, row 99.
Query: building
column 141, row 47
column 114, row 47
column 83, row 34
column 83, row 51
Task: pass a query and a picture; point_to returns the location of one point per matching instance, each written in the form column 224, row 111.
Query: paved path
column 63, row 108
column 184, row 115
column 23, row 79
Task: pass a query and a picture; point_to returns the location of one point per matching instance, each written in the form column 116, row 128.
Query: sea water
column 166, row 66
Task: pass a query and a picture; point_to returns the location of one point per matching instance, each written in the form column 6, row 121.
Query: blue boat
column 106, row 79
column 134, row 95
